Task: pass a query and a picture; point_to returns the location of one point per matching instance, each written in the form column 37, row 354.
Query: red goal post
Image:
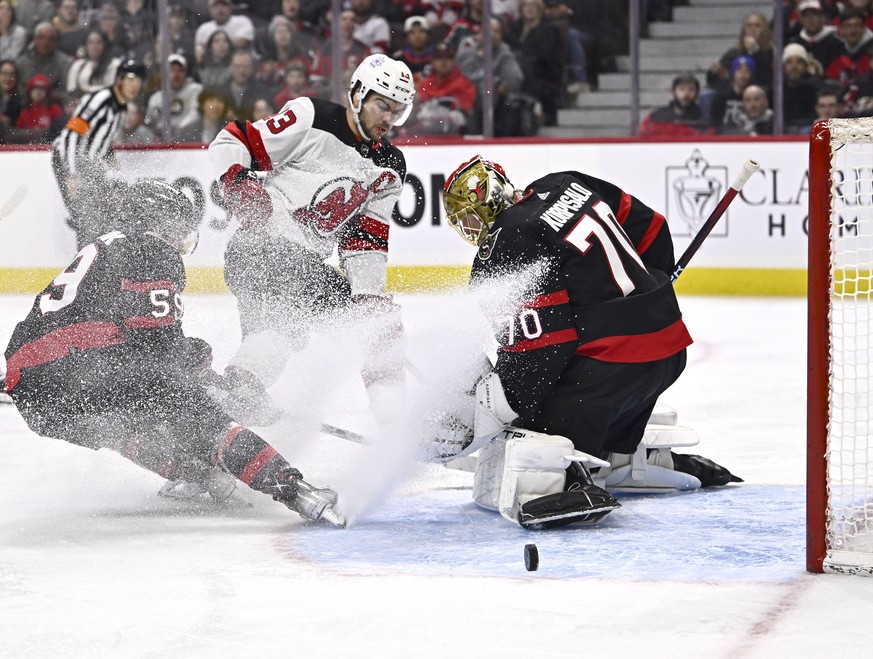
column 840, row 348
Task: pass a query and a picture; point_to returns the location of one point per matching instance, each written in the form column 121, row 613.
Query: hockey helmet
column 130, row 68
column 474, row 195
column 164, row 210
column 383, row 75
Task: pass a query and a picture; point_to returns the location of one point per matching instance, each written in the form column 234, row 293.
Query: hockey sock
column 257, row 464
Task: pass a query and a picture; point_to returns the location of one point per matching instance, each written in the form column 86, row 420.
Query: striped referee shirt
column 89, row 135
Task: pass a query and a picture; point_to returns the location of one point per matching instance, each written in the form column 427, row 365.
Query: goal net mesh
column 849, row 454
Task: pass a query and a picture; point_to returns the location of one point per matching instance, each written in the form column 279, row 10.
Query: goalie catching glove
column 246, row 196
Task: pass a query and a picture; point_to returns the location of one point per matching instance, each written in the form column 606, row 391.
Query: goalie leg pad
column 520, row 466
column 586, row 505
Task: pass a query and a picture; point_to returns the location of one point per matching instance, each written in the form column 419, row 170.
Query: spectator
column 109, row 21
column 371, row 28
column 296, row 84
column 827, row 105
column 42, row 112
column 857, row 40
column 243, row 88
column 139, row 23
column 240, row 29
column 682, row 116
column 70, row 28
column 574, row 42
column 13, row 37
column 602, row 27
column 215, row 112
column 96, row 69
column 819, row 39
column 800, row 88
column 534, row 42
column 304, row 33
column 755, row 117
column 281, row 49
column 30, row 13
column 262, row 109
column 133, row 129
column 755, row 41
column 43, row 57
column 11, row 100
column 417, row 52
column 441, row 15
column 353, row 53
column 215, row 66
column 445, row 98
column 506, row 73
column 729, row 101
column 184, row 93
column 469, row 24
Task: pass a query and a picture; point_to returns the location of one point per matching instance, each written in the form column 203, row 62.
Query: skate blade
column 333, row 517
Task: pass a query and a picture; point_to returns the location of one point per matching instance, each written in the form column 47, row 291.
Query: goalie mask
column 383, row 75
column 474, row 195
column 165, row 211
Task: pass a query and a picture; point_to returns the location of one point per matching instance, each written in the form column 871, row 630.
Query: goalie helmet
column 474, row 195
column 166, row 211
column 383, row 75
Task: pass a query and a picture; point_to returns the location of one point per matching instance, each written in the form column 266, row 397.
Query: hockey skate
column 316, row 504
column 218, row 484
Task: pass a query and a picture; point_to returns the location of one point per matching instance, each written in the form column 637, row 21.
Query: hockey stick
column 342, row 433
column 13, row 201
column 749, row 168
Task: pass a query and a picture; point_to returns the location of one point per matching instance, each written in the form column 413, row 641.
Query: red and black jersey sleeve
column 647, row 228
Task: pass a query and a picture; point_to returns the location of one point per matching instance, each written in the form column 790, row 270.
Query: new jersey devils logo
column 338, row 201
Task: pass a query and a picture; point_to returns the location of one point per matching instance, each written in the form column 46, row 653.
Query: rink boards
column 759, row 247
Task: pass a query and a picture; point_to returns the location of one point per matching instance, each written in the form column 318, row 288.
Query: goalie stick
column 749, row 168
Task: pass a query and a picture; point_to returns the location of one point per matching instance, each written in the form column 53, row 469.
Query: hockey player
column 314, row 178
column 100, row 361
column 589, row 339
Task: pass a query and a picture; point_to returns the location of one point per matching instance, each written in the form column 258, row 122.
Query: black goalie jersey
column 118, row 291
column 590, row 263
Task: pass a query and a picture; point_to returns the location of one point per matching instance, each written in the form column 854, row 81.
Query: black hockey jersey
column 584, row 285
column 118, row 290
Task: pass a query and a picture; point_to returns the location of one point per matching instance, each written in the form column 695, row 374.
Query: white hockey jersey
column 329, row 189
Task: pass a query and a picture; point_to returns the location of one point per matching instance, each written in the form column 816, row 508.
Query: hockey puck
column 531, row 558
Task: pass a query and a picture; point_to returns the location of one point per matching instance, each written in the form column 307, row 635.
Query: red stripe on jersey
column 651, row 233
column 253, row 142
column 361, row 245
column 636, row 348
column 254, row 467
column 375, row 227
column 60, row 343
column 548, row 339
column 234, row 430
column 624, row 207
column 548, row 300
column 147, row 286
column 146, row 322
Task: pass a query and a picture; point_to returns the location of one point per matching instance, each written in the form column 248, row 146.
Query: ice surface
column 94, row 564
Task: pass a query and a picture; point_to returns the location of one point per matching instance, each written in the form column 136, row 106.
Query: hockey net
column 840, row 348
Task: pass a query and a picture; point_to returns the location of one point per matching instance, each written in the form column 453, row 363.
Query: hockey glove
column 247, row 198
column 195, row 355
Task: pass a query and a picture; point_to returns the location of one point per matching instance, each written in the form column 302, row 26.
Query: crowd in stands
column 826, row 73
column 230, row 59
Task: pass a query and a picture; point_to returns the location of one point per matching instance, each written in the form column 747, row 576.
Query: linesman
column 84, row 148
